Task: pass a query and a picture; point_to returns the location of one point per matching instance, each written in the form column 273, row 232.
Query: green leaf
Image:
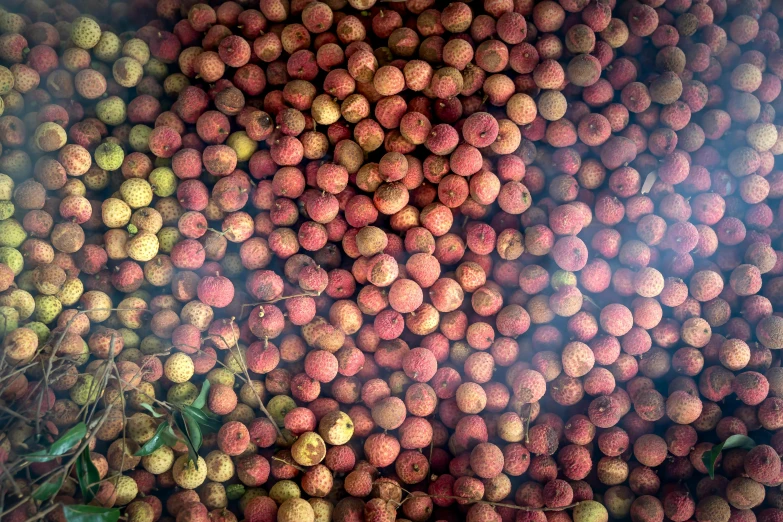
column 735, row 441
column 157, row 440
column 183, row 427
column 61, row 446
column 206, row 420
column 69, row 439
column 235, row 491
column 88, row 476
column 90, row 514
column 169, row 437
column 201, row 400
column 194, row 429
column 152, row 411
column 49, row 488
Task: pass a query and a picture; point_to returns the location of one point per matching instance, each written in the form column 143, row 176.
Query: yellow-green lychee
column 12, row 234
column 7, row 208
column 47, row 308
column 12, row 258
column 159, row 461
column 109, row 156
column 278, row 406
column 179, row 367
column 283, row 490
column 163, row 181
column 182, row 393
column 111, row 111
column 188, row 474
column 139, row 138
column 20, row 300
column 137, row 49
column 126, row 488
column 85, row 32
column 309, row 449
column 590, row 511
column 108, row 47
column 138, row 511
column 220, row 467
column 221, row 376
column 336, row 428
column 85, row 391
column 242, row 145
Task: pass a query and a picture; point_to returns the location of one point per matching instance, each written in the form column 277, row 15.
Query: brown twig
column 289, row 464
column 278, row 299
column 87, row 413
column 253, row 388
column 505, row 505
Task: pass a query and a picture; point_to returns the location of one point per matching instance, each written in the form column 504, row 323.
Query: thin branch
column 261, row 406
column 278, row 459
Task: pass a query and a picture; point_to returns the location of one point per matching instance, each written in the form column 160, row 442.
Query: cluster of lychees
column 304, row 261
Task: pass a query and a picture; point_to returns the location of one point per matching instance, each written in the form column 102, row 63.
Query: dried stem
column 88, row 413
column 289, row 464
column 241, row 359
column 281, row 298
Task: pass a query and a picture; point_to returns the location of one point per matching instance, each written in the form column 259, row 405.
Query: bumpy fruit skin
column 188, row 474
column 336, row 428
column 495, row 247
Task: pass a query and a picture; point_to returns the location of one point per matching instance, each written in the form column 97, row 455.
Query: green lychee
column 6, row 209
column 47, row 308
column 159, row 461
column 278, row 406
column 109, row 156
column 85, row 32
column 590, row 511
column 242, row 145
column 139, row 138
column 137, row 49
column 189, row 474
column 12, row 234
column 156, row 69
column 126, row 488
column 183, row 393
column 163, row 181
column 12, row 258
column 108, row 47
column 6, row 80
column 111, row 110
column 85, row 391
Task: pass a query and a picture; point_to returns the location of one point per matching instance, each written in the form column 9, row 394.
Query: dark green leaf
column 235, row 491
column 735, row 441
column 90, row 514
column 155, row 442
column 39, row 456
column 69, row 439
column 152, row 411
column 88, row 476
column 210, row 422
column 201, row 400
column 194, row 429
column 49, row 488
column 169, row 437
column 61, row 446
column 183, row 427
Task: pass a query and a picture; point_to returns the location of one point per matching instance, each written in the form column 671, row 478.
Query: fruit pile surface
column 359, row 261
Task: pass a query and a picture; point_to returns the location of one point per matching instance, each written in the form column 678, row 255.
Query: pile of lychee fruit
column 493, row 260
